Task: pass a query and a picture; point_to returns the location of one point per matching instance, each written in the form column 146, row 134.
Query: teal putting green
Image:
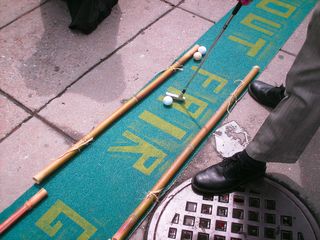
column 94, row 194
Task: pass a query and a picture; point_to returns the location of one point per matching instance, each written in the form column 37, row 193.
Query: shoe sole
column 228, row 190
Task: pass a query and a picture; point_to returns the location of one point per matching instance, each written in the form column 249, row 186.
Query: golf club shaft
column 234, row 12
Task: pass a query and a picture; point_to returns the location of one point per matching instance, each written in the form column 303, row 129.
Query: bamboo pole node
column 27, row 206
column 191, row 145
column 78, row 146
column 233, row 100
column 175, row 68
column 233, row 97
column 154, row 194
column 136, row 98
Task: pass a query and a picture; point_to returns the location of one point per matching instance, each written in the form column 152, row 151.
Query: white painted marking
column 230, row 139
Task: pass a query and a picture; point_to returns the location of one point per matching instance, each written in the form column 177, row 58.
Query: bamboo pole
column 27, row 206
column 39, row 177
column 181, row 159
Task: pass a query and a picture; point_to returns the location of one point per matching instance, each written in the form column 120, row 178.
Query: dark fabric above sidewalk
column 87, row 14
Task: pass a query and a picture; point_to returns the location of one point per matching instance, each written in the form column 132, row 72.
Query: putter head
column 176, row 97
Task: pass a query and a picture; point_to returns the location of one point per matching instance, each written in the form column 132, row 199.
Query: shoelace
column 228, row 163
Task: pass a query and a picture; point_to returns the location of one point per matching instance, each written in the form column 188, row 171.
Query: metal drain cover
column 261, row 210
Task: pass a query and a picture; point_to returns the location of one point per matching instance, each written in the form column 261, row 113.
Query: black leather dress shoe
column 266, row 94
column 227, row 175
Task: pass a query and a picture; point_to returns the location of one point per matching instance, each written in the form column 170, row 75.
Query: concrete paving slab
column 276, row 71
column 298, row 37
column 210, row 9
column 27, row 151
column 42, row 56
column 100, row 92
column 10, row 116
column 9, row 11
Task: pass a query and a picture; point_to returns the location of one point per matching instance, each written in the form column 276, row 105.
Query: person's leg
column 291, row 125
column 286, row 131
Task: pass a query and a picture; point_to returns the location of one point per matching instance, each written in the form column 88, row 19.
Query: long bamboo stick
column 27, row 206
column 39, row 177
column 181, row 159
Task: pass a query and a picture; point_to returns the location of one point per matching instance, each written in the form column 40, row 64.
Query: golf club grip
column 237, row 8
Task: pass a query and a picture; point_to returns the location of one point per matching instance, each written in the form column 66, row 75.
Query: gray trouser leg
column 291, row 125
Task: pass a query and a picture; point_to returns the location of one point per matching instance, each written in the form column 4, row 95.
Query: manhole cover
column 261, row 210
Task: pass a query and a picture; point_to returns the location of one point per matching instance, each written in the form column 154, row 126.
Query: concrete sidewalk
column 56, row 85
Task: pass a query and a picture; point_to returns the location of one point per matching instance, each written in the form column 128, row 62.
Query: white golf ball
column 197, row 56
column 167, row 100
column 202, row 50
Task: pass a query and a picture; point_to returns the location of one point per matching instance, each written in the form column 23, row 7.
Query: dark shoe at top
column 266, row 94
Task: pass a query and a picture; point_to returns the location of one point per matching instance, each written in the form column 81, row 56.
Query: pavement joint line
column 16, row 102
column 57, row 129
column 287, row 52
column 31, row 115
column 196, row 14
column 15, row 128
column 24, row 14
column 179, row 3
column 108, row 56
column 20, row 105
column 171, row 4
